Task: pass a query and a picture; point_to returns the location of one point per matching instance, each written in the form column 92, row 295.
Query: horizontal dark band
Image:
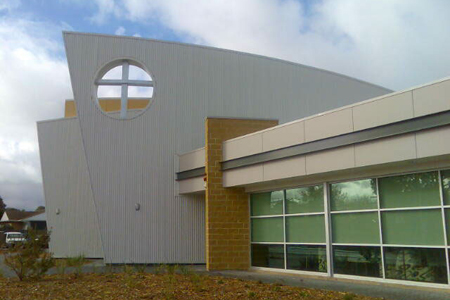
column 191, row 173
column 366, row 135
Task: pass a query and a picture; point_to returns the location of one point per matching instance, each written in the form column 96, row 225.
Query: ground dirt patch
column 157, row 286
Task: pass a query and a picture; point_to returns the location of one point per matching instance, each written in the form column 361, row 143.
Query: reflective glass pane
column 354, row 195
column 447, row 224
column 358, row 228
column 360, row 261
column 446, row 186
column 414, row 227
column 268, row 256
column 304, row 200
column 270, row 203
column 410, row 190
column 306, row 258
column 267, row 230
column 416, row 264
column 305, row 229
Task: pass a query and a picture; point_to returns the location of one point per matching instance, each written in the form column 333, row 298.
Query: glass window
column 446, row 186
column 360, row 261
column 414, row 227
column 354, row 195
column 306, row 258
column 267, row 230
column 115, row 85
column 410, row 190
column 304, row 200
column 447, row 224
column 268, row 256
column 358, row 228
column 270, row 203
column 416, row 264
column 305, row 229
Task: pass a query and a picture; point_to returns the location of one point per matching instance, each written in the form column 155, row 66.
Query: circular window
column 124, row 89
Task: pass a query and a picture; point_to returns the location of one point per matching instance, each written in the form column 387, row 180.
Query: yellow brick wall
column 227, row 210
column 107, row 105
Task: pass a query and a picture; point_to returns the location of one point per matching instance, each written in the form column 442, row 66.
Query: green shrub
column 140, row 268
column 76, row 262
column 61, row 266
column 304, row 294
column 30, row 260
column 185, row 270
column 160, row 269
column 349, row 297
column 171, row 269
column 276, row 287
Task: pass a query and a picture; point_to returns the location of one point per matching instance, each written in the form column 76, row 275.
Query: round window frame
column 108, row 67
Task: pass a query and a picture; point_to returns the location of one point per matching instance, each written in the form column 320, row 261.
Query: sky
column 397, row 44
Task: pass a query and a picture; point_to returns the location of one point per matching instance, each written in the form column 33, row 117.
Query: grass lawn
column 135, row 285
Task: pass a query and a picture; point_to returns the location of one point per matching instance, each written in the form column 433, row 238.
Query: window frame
column 328, row 230
column 124, row 82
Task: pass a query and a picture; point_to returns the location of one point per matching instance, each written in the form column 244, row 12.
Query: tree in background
column 2, row 206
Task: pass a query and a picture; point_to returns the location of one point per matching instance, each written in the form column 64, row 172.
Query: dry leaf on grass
column 150, row 286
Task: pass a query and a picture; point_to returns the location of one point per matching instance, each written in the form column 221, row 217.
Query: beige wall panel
column 330, row 160
column 433, row 142
column 284, row 136
column 383, row 111
column 432, row 99
column 285, row 168
column 191, row 185
column 242, row 176
column 244, row 146
column 396, row 148
column 406, row 166
column 192, row 160
column 335, row 123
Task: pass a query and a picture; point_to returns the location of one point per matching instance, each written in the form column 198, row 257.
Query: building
column 19, row 220
column 36, row 222
column 240, row 161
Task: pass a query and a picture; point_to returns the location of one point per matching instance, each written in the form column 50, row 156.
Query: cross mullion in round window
column 119, row 82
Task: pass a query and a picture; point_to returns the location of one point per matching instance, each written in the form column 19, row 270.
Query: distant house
column 18, row 220
column 37, row 222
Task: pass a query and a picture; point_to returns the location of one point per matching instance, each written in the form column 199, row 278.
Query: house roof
column 17, row 215
column 38, row 217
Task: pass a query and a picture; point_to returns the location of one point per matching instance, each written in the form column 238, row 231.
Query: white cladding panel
column 368, row 114
column 192, row 160
column 132, row 161
column 191, row 185
column 75, row 230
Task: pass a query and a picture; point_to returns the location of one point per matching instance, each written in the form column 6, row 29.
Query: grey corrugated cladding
column 132, row 161
column 75, row 230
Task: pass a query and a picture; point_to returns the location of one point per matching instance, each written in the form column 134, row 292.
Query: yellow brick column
column 227, row 210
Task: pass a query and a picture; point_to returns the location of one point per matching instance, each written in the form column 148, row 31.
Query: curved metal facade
column 74, row 229
column 132, row 161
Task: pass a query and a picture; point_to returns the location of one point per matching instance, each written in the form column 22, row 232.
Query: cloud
column 120, row 31
column 106, row 8
column 34, row 80
column 394, row 43
column 397, row 44
column 9, row 5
